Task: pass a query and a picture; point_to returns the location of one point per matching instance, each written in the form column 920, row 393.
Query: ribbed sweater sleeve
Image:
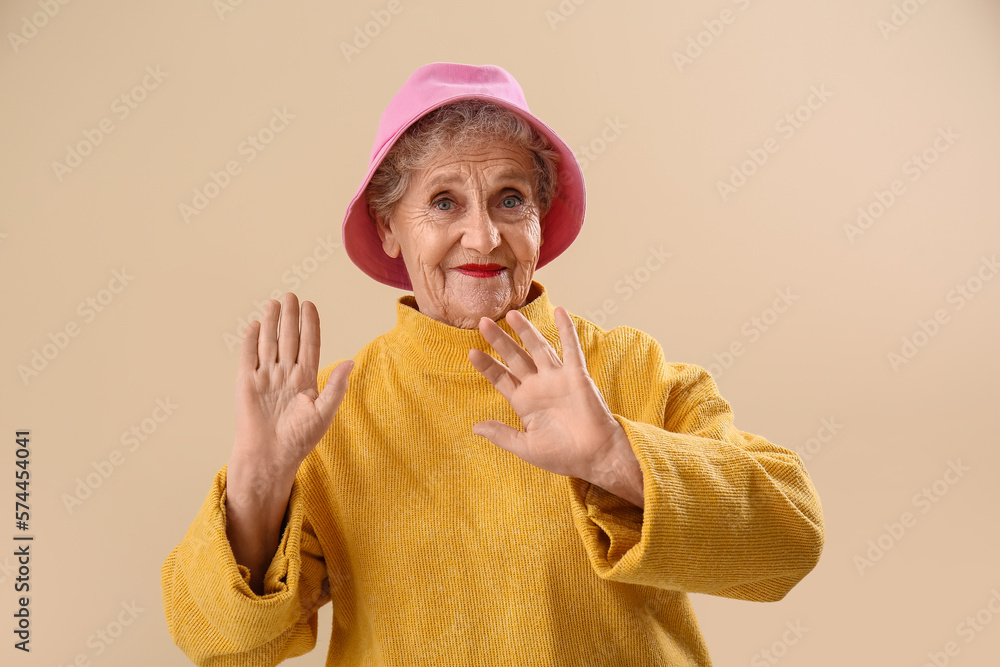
column 212, row 614
column 726, row 512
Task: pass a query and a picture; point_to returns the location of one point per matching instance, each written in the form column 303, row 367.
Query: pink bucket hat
column 428, row 88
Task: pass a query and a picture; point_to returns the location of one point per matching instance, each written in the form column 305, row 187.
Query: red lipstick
column 480, row 270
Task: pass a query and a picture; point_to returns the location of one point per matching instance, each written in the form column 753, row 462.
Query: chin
column 466, row 314
column 469, row 317
column 485, row 299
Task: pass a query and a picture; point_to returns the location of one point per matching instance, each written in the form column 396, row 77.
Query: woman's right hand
column 280, row 418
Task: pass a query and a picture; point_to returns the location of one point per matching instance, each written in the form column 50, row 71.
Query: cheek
column 436, row 248
column 527, row 245
column 428, row 243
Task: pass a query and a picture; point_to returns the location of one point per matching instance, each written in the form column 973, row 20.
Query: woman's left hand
column 568, row 428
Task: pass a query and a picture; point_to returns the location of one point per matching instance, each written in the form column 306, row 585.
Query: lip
column 480, row 270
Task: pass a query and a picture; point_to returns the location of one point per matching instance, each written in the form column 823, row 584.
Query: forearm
column 256, row 503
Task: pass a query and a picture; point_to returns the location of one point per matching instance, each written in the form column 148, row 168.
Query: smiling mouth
column 480, row 270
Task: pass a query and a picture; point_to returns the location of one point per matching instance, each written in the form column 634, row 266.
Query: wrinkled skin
column 473, row 206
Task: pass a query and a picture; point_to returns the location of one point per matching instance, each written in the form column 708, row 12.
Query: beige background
column 652, row 182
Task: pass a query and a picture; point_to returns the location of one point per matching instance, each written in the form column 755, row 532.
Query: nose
column 480, row 232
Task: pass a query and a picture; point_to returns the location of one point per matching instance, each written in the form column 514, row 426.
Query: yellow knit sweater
column 436, row 547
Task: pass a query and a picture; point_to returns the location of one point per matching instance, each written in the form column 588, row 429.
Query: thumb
column 332, row 395
column 500, row 434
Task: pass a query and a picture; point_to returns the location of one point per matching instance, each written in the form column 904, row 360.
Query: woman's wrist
column 257, row 498
column 251, row 480
column 620, row 472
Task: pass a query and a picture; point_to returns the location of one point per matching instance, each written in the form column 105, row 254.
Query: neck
column 424, row 344
column 534, row 290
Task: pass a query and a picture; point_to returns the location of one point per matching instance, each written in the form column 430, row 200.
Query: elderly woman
column 502, row 482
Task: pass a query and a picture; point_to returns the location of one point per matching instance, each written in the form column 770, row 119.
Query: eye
column 512, row 198
column 450, row 204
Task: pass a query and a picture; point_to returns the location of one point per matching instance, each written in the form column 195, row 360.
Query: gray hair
column 464, row 124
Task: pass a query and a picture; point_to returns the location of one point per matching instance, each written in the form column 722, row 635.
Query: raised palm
column 280, row 415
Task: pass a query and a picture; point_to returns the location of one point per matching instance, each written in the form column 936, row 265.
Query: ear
column 390, row 244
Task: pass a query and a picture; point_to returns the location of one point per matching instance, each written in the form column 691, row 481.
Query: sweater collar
column 433, row 346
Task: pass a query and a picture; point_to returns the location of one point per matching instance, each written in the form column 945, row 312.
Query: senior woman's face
column 469, row 232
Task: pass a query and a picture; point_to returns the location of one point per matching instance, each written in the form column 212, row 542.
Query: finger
column 498, row 374
column 517, row 359
column 501, row 435
column 288, row 338
column 267, row 346
column 248, row 348
column 542, row 353
column 572, row 352
column 330, row 398
column 309, row 340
